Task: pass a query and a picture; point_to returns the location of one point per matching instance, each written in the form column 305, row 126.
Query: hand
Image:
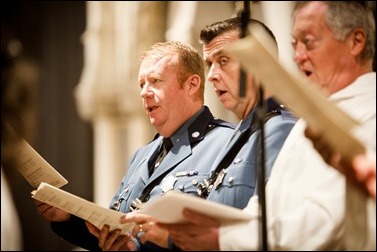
column 360, row 170
column 51, row 213
column 111, row 241
column 322, row 146
column 200, row 233
column 146, row 229
column 365, row 171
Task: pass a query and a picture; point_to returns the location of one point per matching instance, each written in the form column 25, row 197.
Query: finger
column 39, row 203
column 43, row 208
column 123, row 241
column 103, row 236
column 143, row 237
column 92, row 229
column 361, row 167
column 109, row 242
column 199, row 219
column 47, row 211
column 371, row 186
column 163, row 226
column 176, row 229
column 309, row 133
column 139, row 228
column 134, row 217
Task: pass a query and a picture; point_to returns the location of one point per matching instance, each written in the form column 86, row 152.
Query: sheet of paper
column 95, row 214
column 301, row 96
column 168, row 208
column 35, row 168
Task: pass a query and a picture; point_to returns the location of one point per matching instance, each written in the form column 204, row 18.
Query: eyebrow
column 213, row 55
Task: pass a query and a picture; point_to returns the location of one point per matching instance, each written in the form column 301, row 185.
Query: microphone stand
column 259, row 119
column 245, row 17
column 260, row 114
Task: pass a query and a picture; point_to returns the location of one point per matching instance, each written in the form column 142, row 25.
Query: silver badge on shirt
column 167, row 183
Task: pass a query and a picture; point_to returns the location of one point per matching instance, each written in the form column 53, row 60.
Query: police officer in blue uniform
column 233, row 177
column 171, row 78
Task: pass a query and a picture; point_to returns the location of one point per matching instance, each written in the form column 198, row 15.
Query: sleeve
column 277, row 131
column 241, row 236
column 360, row 222
column 172, row 246
column 75, row 232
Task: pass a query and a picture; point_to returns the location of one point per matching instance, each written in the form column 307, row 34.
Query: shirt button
column 195, row 134
column 194, row 182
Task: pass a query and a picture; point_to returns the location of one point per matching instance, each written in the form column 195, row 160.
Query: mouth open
column 151, row 109
column 220, row 93
column 307, row 73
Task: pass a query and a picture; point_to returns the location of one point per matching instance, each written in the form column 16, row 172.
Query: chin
column 228, row 106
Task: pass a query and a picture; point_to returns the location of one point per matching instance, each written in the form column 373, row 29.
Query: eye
column 208, row 64
column 294, row 43
column 307, row 42
column 155, row 80
column 223, row 61
column 141, row 84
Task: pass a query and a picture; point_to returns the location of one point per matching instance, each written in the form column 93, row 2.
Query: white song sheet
column 168, row 208
column 95, row 214
column 34, row 168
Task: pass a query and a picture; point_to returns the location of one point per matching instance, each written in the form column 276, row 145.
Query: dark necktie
column 164, row 149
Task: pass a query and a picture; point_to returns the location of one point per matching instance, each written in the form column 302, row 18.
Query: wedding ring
column 140, row 228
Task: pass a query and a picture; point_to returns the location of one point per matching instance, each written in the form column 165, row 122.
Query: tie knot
column 167, row 144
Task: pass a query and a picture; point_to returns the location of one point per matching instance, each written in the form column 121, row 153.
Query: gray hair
column 344, row 17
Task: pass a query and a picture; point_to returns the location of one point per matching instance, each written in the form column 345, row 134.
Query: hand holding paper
column 168, row 208
column 41, row 175
column 80, row 207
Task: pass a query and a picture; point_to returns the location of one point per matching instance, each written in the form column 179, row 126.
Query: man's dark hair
column 211, row 31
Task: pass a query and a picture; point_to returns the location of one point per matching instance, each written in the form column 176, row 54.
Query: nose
column 300, row 53
column 146, row 92
column 213, row 74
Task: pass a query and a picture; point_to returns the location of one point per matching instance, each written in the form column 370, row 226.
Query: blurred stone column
column 108, row 93
column 278, row 17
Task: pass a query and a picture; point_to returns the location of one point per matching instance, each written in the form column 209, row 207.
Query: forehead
column 311, row 16
column 159, row 65
column 213, row 48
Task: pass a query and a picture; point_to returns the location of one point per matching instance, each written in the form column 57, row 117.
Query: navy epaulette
column 285, row 113
column 221, row 122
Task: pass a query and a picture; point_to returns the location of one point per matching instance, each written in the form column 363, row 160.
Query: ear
column 193, row 84
column 358, row 40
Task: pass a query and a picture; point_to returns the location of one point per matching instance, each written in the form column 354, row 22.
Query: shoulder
column 278, row 111
column 288, row 115
column 282, row 118
column 222, row 123
column 207, row 118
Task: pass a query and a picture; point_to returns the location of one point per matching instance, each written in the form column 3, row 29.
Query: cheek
column 232, row 83
column 174, row 97
column 234, row 89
